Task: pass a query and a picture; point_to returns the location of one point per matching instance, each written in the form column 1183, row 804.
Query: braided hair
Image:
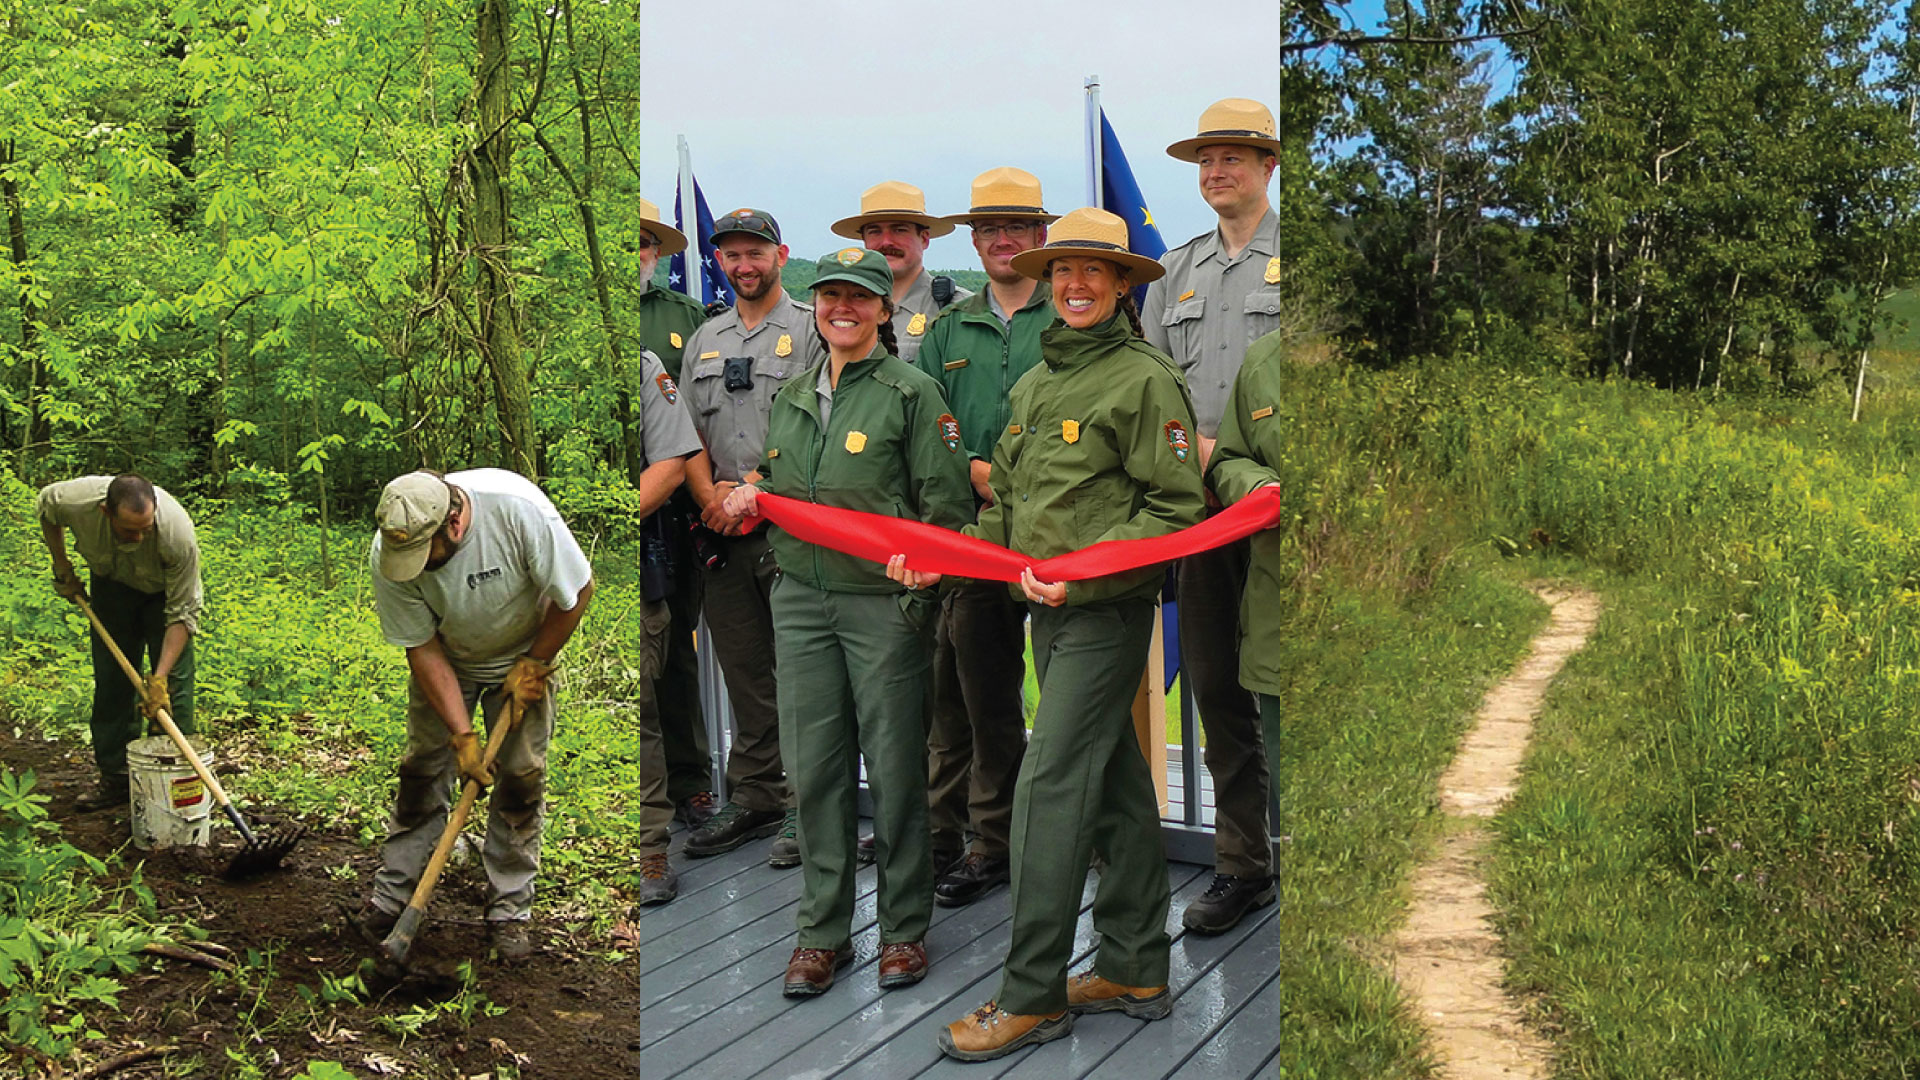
column 1132, row 312
column 887, row 339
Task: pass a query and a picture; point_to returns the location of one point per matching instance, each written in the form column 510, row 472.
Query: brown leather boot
column 988, row 1033
column 902, row 963
column 810, row 971
column 1088, row 992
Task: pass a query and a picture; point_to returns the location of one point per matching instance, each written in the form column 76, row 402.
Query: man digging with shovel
column 144, row 562
column 476, row 576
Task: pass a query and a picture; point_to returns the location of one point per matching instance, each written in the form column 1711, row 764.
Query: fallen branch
column 191, row 956
column 120, row 1061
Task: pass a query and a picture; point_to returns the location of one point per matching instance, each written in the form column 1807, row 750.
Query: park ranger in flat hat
column 893, row 221
column 735, row 364
column 1220, row 293
column 667, row 320
column 978, row 349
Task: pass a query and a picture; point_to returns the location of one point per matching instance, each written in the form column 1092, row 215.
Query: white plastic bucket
column 171, row 805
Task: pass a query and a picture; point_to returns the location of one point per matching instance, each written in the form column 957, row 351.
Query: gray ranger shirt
column 918, row 303
column 1208, row 309
column 733, row 423
column 666, row 427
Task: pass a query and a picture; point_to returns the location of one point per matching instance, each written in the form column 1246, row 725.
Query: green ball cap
column 867, row 269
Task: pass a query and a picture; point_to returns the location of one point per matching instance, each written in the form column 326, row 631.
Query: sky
column 797, row 107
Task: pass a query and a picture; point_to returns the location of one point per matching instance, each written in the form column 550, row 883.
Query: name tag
column 775, row 452
column 1188, row 295
column 1013, row 429
column 952, row 364
column 1262, row 414
column 710, row 355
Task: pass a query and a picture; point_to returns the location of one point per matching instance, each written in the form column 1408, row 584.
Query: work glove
column 67, row 583
column 527, row 683
column 467, row 751
column 154, row 696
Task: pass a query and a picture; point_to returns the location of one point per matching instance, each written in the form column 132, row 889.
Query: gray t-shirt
column 1208, row 309
column 487, row 602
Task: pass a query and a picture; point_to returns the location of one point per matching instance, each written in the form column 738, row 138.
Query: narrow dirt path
column 1447, row 955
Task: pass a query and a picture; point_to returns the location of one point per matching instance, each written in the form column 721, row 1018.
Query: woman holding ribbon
column 864, row 431
column 1100, row 448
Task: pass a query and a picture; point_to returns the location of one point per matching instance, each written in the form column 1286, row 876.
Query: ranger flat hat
column 672, row 240
column 412, row 509
column 746, row 220
column 858, row 266
column 1231, row 120
column 1005, row 192
column 1088, row 231
column 891, row 200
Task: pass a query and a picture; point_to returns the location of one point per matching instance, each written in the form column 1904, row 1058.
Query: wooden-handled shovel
column 399, row 941
column 256, row 856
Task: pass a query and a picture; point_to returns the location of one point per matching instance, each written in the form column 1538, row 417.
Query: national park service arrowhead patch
column 949, row 432
column 667, row 388
column 1177, row 439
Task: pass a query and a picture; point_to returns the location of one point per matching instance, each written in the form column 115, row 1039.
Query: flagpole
column 1093, row 140
column 690, row 219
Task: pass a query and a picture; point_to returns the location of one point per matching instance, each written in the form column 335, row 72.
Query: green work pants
column 137, row 622
column 656, row 807
column 1211, row 586
column 683, row 727
column 853, row 672
column 1270, row 720
column 739, row 610
column 979, row 727
column 1085, row 788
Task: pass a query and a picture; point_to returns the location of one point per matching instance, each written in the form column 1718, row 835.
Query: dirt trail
column 1447, row 955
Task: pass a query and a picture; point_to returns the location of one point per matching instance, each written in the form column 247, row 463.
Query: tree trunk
column 37, row 433
column 1873, row 303
column 491, row 222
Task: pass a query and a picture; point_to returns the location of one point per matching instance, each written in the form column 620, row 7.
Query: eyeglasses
column 648, row 241
column 1015, row 230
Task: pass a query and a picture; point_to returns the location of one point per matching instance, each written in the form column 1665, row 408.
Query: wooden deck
column 711, row 1007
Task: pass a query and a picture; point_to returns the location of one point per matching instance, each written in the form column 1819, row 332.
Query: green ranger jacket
column 1244, row 460
column 889, row 446
column 1100, row 447
column 978, row 359
column 667, row 321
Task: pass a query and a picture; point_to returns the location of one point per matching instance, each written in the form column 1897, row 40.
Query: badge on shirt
column 1273, row 270
column 856, row 441
column 917, row 325
column 1262, row 414
column 949, row 432
column 674, row 339
column 785, row 346
column 1070, row 430
column 1177, row 439
column 667, row 390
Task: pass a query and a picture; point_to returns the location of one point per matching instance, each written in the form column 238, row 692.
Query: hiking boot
column 810, row 971
column 658, row 882
column 969, row 880
column 373, row 924
column 732, row 826
column 1227, row 900
column 111, row 791
column 902, row 963
column 785, row 852
column 696, row 809
column 510, row 939
column 988, row 1033
column 1089, row 993
column 864, row 853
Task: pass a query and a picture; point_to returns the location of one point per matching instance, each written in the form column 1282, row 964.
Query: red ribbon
column 932, row 549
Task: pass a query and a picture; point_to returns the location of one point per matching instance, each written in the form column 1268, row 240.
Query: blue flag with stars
column 713, row 281
column 1120, row 195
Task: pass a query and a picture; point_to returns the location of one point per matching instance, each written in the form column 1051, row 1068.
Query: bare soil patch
column 569, row 1012
column 1447, row 955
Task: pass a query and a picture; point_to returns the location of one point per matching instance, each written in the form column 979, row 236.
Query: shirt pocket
column 1182, row 323
column 1262, row 313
